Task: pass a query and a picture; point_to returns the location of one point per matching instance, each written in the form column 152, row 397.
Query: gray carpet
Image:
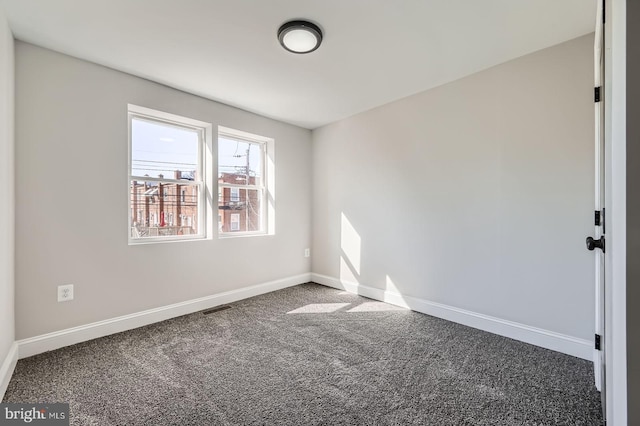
column 310, row 355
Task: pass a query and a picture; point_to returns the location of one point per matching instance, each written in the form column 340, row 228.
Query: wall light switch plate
column 307, row 252
column 65, row 293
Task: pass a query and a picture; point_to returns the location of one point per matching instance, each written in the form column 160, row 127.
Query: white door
column 597, row 243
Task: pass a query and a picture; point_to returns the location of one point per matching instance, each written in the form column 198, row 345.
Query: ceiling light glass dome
column 300, row 36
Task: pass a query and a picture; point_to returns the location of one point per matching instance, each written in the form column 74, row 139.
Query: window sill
column 242, row 235
column 163, row 240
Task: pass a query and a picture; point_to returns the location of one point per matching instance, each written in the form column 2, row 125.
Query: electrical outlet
column 65, row 293
column 307, row 252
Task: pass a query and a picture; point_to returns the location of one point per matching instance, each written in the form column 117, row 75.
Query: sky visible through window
column 233, row 156
column 158, row 148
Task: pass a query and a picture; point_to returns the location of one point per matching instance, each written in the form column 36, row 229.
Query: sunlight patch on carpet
column 375, row 307
column 319, row 308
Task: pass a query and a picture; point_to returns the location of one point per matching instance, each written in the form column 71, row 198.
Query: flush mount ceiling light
column 300, row 36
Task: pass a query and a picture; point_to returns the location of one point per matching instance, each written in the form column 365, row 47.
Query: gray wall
column 71, row 199
column 6, row 190
column 477, row 194
column 633, row 211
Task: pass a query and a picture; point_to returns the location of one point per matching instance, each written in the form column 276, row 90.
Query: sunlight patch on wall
column 347, row 275
column 392, row 294
column 351, row 243
column 391, row 286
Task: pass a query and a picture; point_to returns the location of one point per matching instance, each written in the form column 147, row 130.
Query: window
column 166, row 176
column 235, row 221
column 242, row 182
column 235, row 194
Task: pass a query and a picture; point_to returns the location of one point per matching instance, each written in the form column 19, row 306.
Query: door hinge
column 596, row 93
column 597, row 218
column 604, row 221
column 598, row 346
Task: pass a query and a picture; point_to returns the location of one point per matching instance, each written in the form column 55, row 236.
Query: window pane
column 242, row 215
column 239, row 162
column 163, row 150
column 163, row 209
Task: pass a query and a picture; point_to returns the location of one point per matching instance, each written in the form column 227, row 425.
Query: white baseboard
column 7, row 367
column 58, row 339
column 574, row 346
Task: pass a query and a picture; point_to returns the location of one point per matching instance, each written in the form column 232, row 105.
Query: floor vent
column 216, row 309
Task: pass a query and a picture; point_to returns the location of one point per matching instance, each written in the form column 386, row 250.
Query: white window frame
column 265, row 188
column 204, row 170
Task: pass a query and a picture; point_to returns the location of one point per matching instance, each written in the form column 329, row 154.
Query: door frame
column 599, row 355
column 615, row 182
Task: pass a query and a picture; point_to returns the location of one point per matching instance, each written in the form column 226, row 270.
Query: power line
column 164, row 162
column 155, row 169
column 165, row 152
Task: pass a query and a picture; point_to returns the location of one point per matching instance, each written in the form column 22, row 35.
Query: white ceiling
column 374, row 51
